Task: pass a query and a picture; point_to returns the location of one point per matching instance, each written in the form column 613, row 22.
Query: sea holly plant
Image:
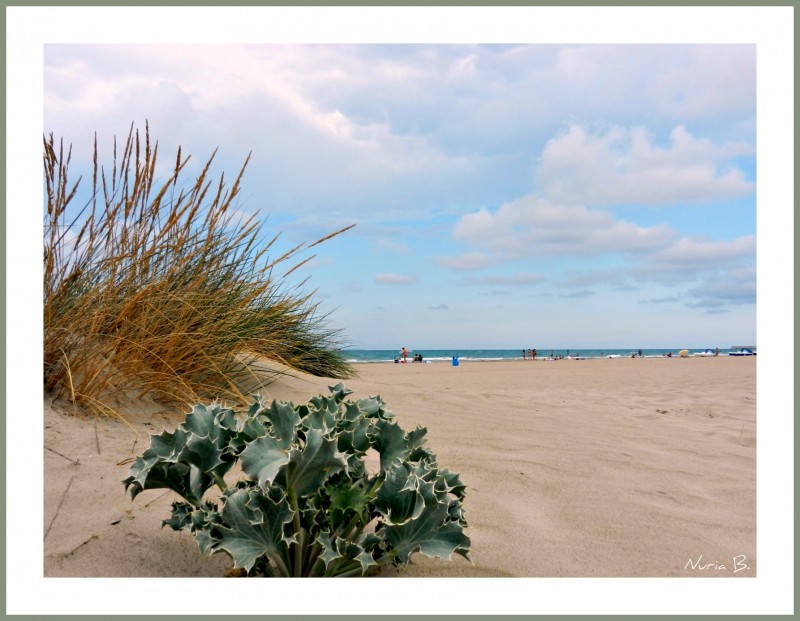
column 306, row 502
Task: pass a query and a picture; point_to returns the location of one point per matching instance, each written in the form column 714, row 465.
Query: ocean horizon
column 356, row 356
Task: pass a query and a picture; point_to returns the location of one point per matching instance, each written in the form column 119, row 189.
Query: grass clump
column 162, row 288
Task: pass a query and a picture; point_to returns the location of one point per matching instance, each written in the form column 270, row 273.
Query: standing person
column 523, row 355
column 404, row 351
column 533, row 353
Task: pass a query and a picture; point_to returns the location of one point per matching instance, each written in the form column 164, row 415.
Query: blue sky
column 504, row 195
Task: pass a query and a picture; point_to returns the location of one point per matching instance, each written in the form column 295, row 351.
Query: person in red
column 405, row 355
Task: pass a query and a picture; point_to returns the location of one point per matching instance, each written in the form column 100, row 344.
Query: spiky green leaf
column 184, row 479
column 166, row 446
column 252, row 428
column 329, row 552
column 308, row 459
column 354, row 437
column 347, row 500
column 253, row 527
column 390, row 441
column 263, row 458
column 430, row 533
column 416, row 437
column 339, row 392
column 352, row 551
column 398, row 497
column 202, row 420
column 284, row 419
column 450, row 482
column 374, row 407
column 203, row 452
column 226, row 418
column 181, row 516
column 312, row 465
column 322, row 420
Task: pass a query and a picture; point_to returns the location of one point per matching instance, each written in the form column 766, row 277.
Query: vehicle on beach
column 705, row 354
column 742, row 351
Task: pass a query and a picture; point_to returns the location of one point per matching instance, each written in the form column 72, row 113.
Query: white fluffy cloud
column 544, row 159
column 582, row 177
column 309, row 114
column 340, row 125
column 625, row 166
column 533, row 226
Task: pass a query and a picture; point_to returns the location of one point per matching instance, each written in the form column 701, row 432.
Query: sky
column 504, row 196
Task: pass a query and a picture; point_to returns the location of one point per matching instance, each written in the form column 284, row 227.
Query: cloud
column 392, row 245
column 439, row 307
column 706, row 252
column 550, row 156
column 666, row 300
column 354, row 286
column 624, row 166
column 517, row 280
column 661, row 80
column 735, row 286
column 396, row 279
column 688, row 257
column 592, row 278
column 726, row 265
column 706, row 81
column 532, row 226
column 389, row 128
column 467, row 262
column 583, row 293
column 316, row 117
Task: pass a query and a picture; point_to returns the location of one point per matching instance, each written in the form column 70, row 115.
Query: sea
column 356, row 356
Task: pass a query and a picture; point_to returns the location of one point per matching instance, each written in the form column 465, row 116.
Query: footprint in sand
column 132, row 537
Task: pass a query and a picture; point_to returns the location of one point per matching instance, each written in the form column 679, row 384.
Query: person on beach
column 533, row 354
column 404, row 352
column 523, row 355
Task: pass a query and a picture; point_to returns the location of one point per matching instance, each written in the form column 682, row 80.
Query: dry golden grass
column 164, row 290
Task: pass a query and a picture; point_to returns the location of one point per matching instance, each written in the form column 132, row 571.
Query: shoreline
column 487, row 355
column 467, row 359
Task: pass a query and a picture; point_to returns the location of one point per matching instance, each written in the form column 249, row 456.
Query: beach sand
column 627, row 467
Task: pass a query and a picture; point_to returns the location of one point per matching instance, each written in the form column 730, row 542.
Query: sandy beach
column 618, row 468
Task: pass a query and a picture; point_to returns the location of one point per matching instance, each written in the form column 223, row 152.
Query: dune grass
column 162, row 289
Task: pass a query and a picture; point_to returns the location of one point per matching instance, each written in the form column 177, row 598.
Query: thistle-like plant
column 306, row 503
